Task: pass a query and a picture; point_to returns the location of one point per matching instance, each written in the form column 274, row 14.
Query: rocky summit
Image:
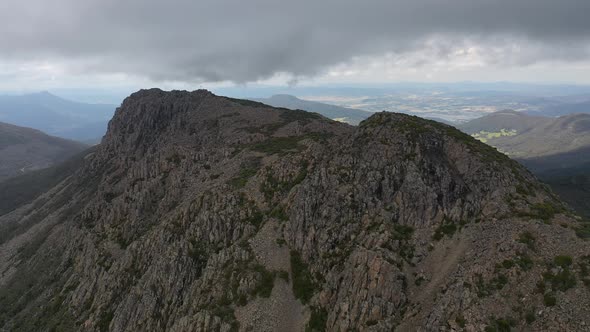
column 204, row 213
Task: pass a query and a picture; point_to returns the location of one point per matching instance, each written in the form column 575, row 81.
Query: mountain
column 342, row 114
column 24, row 149
column 56, row 116
column 199, row 213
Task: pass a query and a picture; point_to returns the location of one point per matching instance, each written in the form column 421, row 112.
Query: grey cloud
column 242, row 41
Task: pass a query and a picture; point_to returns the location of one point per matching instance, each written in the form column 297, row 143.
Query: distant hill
column 342, row 114
column 562, row 135
column 56, row 116
column 23, row 150
column 508, row 120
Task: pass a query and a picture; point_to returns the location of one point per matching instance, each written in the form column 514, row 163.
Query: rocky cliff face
column 200, row 212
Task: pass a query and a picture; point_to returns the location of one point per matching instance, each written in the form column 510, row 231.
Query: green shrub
column 303, row 285
column 317, row 320
column 563, row 261
column 549, row 300
column 528, row 239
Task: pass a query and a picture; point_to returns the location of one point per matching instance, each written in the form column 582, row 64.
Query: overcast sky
column 109, row 43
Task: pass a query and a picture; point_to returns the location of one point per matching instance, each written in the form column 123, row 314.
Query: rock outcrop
column 200, row 212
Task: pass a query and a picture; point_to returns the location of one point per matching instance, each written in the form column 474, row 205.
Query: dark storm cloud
column 246, row 40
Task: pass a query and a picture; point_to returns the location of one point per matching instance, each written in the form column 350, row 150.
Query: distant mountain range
column 24, row 149
column 56, row 116
column 342, row 114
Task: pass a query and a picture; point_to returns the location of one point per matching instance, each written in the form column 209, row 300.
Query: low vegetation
column 317, row 320
column 485, row 289
column 528, row 239
column 303, row 284
column 447, row 228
